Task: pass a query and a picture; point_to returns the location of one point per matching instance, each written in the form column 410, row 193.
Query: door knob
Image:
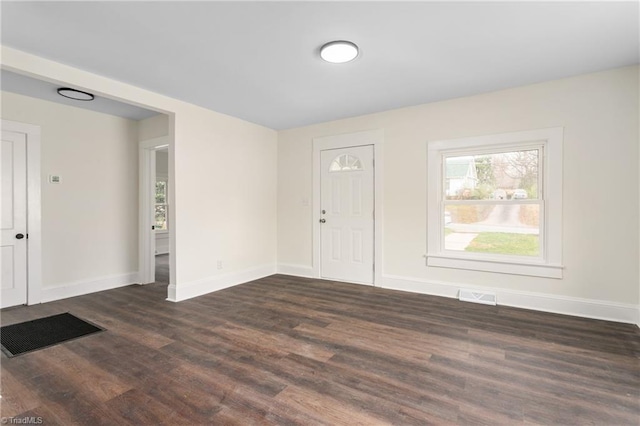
column 19, row 236
column 322, row 220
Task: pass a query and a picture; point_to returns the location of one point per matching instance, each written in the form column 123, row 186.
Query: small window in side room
column 162, row 205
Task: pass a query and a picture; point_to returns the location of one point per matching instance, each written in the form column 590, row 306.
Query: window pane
column 161, row 217
column 499, row 176
column 161, row 192
column 345, row 163
column 511, row 229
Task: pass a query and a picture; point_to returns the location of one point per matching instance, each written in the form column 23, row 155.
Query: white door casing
column 347, row 214
column 13, row 243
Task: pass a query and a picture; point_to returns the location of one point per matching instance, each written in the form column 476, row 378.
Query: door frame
column 147, row 177
column 34, row 207
column 347, row 140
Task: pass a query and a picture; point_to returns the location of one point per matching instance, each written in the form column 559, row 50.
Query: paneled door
column 347, row 214
column 13, row 245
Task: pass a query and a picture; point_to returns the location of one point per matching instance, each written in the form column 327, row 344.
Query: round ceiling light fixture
column 74, row 94
column 339, row 52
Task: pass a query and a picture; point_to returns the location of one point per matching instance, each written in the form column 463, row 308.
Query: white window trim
column 550, row 266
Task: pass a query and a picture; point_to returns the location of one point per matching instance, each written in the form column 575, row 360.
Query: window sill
column 531, row 269
column 164, row 231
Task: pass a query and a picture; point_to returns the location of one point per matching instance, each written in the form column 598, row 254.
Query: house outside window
column 495, row 203
column 460, row 174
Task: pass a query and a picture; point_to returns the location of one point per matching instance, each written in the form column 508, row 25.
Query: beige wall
column 90, row 220
column 599, row 113
column 162, row 163
column 226, row 195
column 153, row 127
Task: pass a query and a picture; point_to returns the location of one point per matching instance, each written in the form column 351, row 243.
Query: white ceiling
column 259, row 60
column 23, row 85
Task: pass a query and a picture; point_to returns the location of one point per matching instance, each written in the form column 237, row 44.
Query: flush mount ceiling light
column 74, row 94
column 339, row 52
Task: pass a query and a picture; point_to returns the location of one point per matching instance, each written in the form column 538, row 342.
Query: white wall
column 599, row 113
column 223, row 206
column 90, row 220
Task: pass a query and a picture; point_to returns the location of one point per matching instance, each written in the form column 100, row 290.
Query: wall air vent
column 477, row 297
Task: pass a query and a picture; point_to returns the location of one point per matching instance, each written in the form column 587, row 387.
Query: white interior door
column 347, row 214
column 13, row 245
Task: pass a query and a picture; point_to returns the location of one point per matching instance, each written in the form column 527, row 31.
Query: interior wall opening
column 90, row 186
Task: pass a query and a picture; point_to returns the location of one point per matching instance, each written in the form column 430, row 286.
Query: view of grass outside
column 508, row 229
column 503, row 243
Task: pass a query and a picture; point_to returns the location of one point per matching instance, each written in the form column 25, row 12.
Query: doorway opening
column 89, row 193
column 161, row 217
column 155, row 221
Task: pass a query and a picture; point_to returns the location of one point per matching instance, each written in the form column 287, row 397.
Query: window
column 495, row 203
column 345, row 163
column 162, row 206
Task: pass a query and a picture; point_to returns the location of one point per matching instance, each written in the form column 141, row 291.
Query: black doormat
column 17, row 339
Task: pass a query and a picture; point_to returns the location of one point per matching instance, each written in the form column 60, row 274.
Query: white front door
column 347, row 216
column 13, row 245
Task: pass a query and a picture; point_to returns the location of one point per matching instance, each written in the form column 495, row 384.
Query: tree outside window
column 162, row 206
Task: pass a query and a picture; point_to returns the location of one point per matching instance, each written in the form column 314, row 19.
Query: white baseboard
column 587, row 308
column 295, row 270
column 218, row 282
column 412, row 285
column 79, row 288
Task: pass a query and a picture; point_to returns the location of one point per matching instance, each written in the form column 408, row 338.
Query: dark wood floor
column 285, row 350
